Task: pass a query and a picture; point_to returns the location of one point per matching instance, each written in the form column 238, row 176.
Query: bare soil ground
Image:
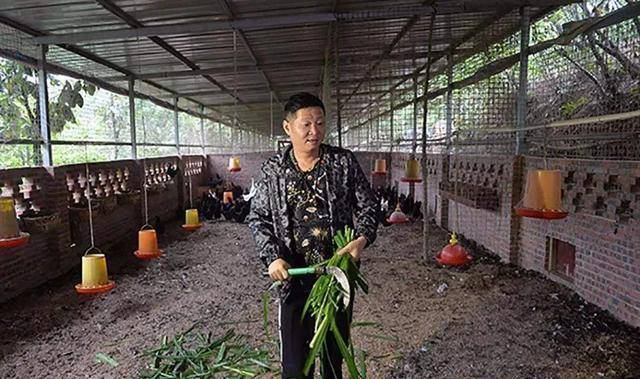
column 491, row 321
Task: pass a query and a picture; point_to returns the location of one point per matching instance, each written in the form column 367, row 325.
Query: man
column 306, row 194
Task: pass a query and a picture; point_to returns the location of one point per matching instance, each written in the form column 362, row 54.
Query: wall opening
column 561, row 258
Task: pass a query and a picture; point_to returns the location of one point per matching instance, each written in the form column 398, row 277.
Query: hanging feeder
column 397, row 217
column 10, row 234
column 192, row 220
column 412, row 171
column 234, row 164
column 147, row 237
column 227, row 197
column 380, row 167
column 542, row 196
column 95, row 279
column 148, row 243
column 453, row 254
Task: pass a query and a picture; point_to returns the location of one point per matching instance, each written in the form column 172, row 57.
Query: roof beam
column 293, row 20
column 243, row 38
column 256, row 23
column 344, row 62
column 136, row 25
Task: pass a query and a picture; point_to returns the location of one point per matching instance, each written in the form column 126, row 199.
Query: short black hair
column 301, row 100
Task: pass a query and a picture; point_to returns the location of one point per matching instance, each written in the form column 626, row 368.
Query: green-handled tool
column 338, row 274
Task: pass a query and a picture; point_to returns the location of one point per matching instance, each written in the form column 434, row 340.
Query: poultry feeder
column 95, row 279
column 542, row 196
column 380, row 167
column 10, row 234
column 453, row 254
column 412, row 171
column 148, row 244
column 234, row 164
column 397, row 217
column 192, row 220
column 227, row 197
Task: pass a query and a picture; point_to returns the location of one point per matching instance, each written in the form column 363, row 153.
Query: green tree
column 19, row 113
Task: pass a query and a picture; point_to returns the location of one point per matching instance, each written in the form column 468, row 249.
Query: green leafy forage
column 325, row 301
column 196, row 355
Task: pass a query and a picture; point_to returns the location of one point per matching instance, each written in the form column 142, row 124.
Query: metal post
column 175, row 124
column 132, row 119
column 449, row 103
column 271, row 111
column 337, row 85
column 423, row 159
column 220, row 143
column 414, row 144
column 46, row 152
column 521, row 110
column 204, row 151
column 391, row 124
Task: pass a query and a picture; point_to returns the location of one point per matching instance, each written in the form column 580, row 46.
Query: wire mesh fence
column 582, row 95
column 570, row 87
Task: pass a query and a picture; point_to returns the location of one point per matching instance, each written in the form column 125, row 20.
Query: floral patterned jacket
column 351, row 202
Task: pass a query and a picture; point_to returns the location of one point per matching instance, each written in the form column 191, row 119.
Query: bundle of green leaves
column 325, row 301
column 193, row 354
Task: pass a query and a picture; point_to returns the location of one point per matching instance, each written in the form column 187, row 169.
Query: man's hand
column 354, row 248
column 278, row 270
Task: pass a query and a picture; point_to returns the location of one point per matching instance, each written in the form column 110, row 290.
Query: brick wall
column 488, row 175
column 116, row 218
column 605, row 232
column 47, row 253
column 603, row 199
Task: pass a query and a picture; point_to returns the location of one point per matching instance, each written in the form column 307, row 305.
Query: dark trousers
column 296, row 334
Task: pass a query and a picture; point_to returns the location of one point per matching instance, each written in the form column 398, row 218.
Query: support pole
column 271, row 112
column 175, row 124
column 204, row 151
column 46, row 152
column 414, row 143
column 391, row 124
column 336, row 57
column 521, row 111
column 449, row 102
column 220, row 142
column 423, row 159
column 132, row 118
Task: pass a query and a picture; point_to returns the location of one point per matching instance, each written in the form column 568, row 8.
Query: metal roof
column 282, row 47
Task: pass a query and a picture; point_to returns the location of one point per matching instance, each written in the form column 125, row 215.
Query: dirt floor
column 422, row 321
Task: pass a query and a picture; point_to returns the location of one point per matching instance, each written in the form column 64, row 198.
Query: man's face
column 306, row 129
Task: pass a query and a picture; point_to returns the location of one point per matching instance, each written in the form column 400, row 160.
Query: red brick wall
column 603, row 199
column 47, row 254
column 607, row 267
column 490, row 228
column 56, row 252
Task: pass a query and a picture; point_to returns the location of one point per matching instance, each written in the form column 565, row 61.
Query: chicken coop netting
column 583, row 96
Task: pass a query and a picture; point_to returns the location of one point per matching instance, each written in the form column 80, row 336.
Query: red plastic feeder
column 411, row 180
column 234, row 164
column 397, row 217
column 15, row 241
column 147, row 244
column 191, row 228
column 380, row 167
column 453, row 254
column 542, row 196
column 95, row 290
column 546, row 214
column 144, row 256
